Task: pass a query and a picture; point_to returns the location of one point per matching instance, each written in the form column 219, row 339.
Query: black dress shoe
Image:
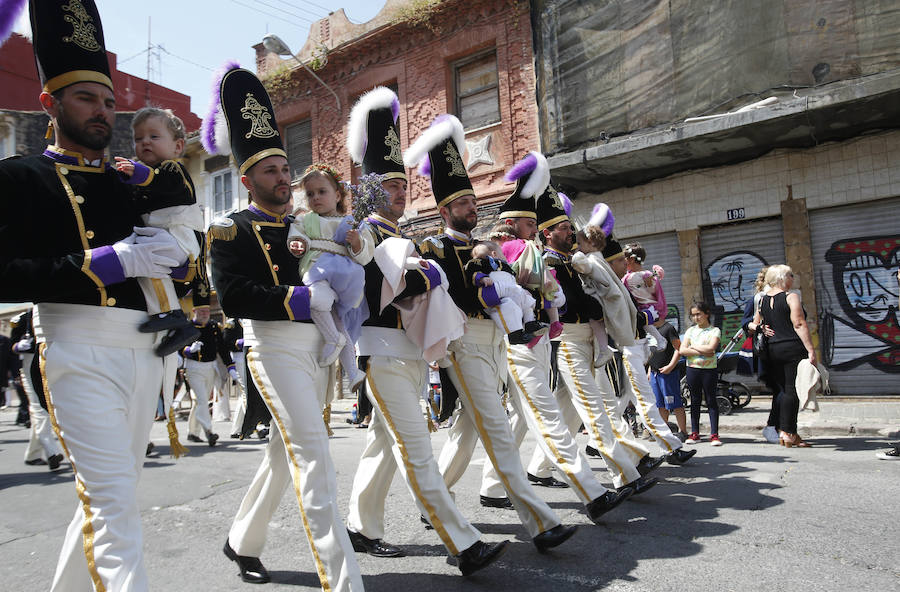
column 177, row 338
column 479, row 555
column 212, row 438
column 591, row 451
column 374, row 547
column 496, row 502
column 640, row 485
column 252, row 570
column 680, row 456
column 150, row 447
column 262, row 434
column 607, row 502
column 193, row 438
column 53, row 461
column 164, row 321
column 546, row 481
column 649, row 463
column 536, row 328
column 35, row 462
column 553, row 537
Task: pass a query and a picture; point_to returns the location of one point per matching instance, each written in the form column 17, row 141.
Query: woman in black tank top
column 782, row 312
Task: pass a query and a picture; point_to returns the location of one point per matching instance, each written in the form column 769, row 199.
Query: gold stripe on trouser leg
column 491, row 486
column 419, row 467
column 372, row 481
column 545, row 418
column 660, row 431
column 502, row 320
column 87, row 528
column 586, row 398
column 614, row 404
column 533, row 511
column 308, row 404
column 160, row 288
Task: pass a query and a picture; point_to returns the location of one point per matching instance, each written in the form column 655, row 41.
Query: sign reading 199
column 736, row 214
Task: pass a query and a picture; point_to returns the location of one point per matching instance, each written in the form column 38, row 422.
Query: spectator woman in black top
column 782, row 312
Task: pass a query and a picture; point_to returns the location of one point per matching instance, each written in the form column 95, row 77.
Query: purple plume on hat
column 602, row 217
column 522, row 168
column 9, row 13
column 425, row 166
column 567, row 203
column 214, row 129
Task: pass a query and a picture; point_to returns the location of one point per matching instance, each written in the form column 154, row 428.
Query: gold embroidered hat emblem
column 82, row 27
column 393, row 143
column 453, row 159
column 554, row 198
column 259, row 117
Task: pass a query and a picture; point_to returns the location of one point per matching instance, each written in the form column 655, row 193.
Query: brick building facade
column 430, row 61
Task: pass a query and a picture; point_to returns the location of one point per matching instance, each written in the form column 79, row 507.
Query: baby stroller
column 729, row 395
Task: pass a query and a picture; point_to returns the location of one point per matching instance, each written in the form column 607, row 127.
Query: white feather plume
column 445, row 126
column 379, row 97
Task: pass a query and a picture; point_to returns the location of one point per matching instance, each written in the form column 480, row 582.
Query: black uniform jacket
column 416, row 281
column 452, row 254
column 53, row 211
column 213, row 344
column 580, row 307
column 253, row 272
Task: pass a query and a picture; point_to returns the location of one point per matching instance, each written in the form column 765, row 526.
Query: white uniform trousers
column 283, row 366
column 42, row 443
column 102, row 381
column 637, row 390
column 238, row 416
column 529, row 369
column 577, row 381
column 539, row 465
column 398, row 436
column 476, row 371
column 201, row 376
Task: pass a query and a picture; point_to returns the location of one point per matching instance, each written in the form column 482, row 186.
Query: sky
column 197, row 36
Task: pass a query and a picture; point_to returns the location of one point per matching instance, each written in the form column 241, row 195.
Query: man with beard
column 258, row 280
column 68, row 242
column 395, row 368
column 477, row 367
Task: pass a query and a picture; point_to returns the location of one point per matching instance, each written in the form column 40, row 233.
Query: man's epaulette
column 432, row 244
column 552, row 259
column 221, row 228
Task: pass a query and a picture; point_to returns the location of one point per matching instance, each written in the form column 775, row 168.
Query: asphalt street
column 748, row 516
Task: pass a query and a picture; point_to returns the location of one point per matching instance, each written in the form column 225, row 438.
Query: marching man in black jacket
column 68, row 242
column 478, row 368
column 258, row 280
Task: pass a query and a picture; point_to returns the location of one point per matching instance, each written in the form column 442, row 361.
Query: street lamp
column 274, row 44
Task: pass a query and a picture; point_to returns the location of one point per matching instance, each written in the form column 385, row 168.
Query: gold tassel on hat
column 176, row 448
column 49, row 133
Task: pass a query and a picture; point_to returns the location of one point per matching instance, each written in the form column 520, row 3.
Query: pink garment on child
column 644, row 296
column 513, row 249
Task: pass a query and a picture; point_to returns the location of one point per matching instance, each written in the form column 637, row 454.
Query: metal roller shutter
column 856, row 254
column 731, row 256
column 662, row 250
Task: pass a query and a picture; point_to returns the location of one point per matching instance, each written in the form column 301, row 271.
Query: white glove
column 147, row 258
column 559, row 299
column 24, row 344
column 416, row 263
column 321, row 296
column 165, row 242
column 195, row 347
column 234, row 375
column 580, row 263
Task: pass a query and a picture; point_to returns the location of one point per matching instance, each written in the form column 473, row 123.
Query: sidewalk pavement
column 837, row 416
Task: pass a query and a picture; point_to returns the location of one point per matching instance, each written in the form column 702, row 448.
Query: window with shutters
column 223, row 202
column 299, row 147
column 477, row 90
